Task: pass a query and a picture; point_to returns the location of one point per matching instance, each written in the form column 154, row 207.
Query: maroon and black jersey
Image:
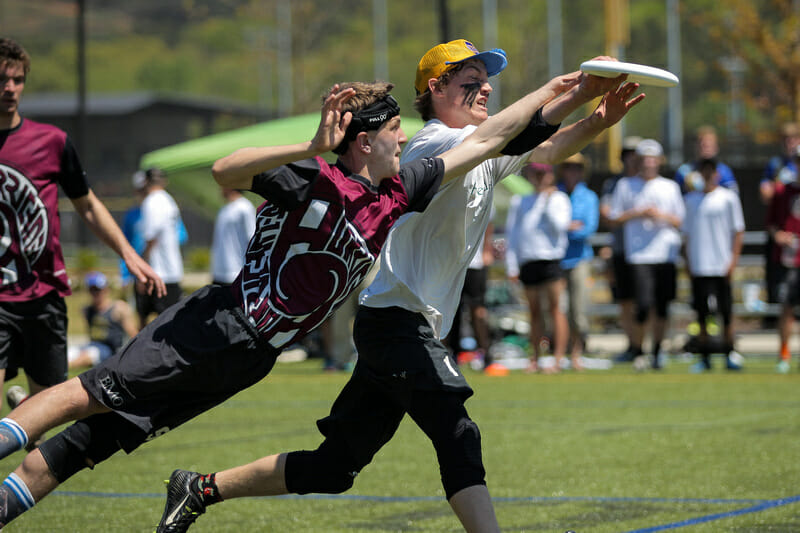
column 317, row 236
column 35, row 159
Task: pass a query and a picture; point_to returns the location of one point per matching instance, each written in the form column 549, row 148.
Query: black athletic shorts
column 150, row 303
column 706, row 287
column 401, row 368
column 473, row 294
column 656, row 286
column 193, row 356
column 789, row 287
column 33, row 336
column 534, row 273
column 624, row 287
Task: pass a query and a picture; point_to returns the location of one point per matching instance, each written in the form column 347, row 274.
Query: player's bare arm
column 237, row 170
column 573, row 138
column 493, row 134
column 102, row 224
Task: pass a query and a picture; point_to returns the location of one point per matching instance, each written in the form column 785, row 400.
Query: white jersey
column 537, row 229
column 648, row 241
column 235, row 224
column 712, row 221
column 160, row 217
column 425, row 258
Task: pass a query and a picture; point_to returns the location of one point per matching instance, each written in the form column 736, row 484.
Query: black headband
column 370, row 118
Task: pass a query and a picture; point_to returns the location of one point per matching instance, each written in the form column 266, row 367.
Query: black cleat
column 184, row 504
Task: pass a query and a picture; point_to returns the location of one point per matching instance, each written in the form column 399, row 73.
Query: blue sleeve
column 587, row 210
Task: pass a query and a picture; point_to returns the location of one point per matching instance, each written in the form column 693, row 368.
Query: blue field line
column 719, row 516
column 403, row 499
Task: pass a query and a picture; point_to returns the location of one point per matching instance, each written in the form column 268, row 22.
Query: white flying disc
column 643, row 74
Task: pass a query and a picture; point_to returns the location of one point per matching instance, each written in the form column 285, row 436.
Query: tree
column 765, row 37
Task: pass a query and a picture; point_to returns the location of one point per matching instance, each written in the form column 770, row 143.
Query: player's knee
column 460, row 460
column 322, row 471
column 83, row 444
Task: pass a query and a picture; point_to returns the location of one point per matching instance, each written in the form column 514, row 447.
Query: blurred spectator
column 473, row 297
column 781, row 169
column 233, row 227
column 706, row 147
column 651, row 208
column 109, row 323
column 783, row 224
column 714, row 231
column 577, row 262
column 160, row 228
column 132, row 222
column 619, row 272
column 537, row 241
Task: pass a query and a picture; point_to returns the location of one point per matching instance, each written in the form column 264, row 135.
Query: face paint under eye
column 471, row 91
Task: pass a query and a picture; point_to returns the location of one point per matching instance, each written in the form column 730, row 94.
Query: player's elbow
column 220, row 172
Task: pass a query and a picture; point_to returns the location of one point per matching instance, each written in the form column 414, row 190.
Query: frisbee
column 644, row 74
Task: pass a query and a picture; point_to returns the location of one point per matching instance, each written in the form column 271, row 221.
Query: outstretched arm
column 494, row 133
column 237, row 170
column 589, row 88
column 571, row 139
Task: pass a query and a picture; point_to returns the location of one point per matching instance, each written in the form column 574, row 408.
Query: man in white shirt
column 159, row 226
column 235, row 224
column 651, row 208
column 410, row 305
column 714, row 230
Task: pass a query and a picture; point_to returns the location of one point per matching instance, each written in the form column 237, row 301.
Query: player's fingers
column 634, row 101
column 345, row 120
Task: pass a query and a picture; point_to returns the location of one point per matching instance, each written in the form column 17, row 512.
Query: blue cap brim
column 494, row 59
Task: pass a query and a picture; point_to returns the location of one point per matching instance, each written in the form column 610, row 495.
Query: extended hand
column 147, row 281
column 563, row 83
column 333, row 123
column 592, row 86
column 616, row 103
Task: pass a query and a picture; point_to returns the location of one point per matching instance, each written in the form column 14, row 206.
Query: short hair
column 13, row 53
column 154, row 175
column 424, row 102
column 702, row 131
column 367, row 93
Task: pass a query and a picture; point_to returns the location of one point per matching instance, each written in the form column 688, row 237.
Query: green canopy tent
column 202, row 152
column 188, row 163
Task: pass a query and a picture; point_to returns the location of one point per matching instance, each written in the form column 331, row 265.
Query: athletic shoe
column 15, row 395
column 699, row 367
column 641, row 363
column 734, row 361
column 184, row 504
column 625, row 357
column 783, row 367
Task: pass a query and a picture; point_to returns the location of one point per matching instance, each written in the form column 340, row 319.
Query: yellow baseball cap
column 439, row 58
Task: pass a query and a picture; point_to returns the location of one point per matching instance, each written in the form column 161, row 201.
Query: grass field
column 600, row 451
